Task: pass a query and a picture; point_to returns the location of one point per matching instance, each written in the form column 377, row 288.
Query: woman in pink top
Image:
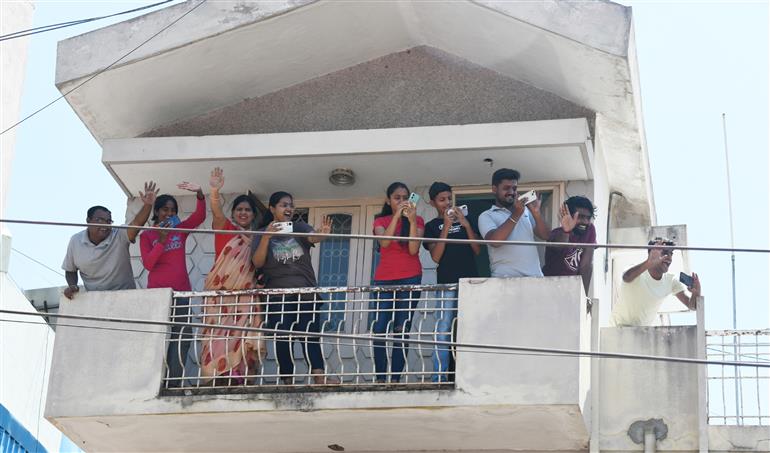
column 163, row 255
column 399, row 265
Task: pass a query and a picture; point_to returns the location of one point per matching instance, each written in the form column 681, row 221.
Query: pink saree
column 225, row 352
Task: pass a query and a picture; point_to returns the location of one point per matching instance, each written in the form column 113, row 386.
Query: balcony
column 112, row 390
column 117, row 389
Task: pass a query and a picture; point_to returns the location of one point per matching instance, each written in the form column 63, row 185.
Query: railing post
column 595, row 381
column 703, row 397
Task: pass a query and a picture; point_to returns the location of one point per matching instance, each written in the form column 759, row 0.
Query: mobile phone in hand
column 528, row 197
column 285, row 227
column 413, row 199
column 687, row 280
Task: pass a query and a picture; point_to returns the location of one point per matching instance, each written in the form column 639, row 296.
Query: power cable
column 105, row 69
column 448, row 344
column 395, row 238
column 71, row 23
column 222, row 337
column 37, row 262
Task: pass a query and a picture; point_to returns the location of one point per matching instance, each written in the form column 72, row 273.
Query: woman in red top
column 163, row 255
column 225, row 352
column 399, row 265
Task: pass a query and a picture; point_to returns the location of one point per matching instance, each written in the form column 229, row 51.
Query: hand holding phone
column 284, row 227
column 528, row 197
column 686, row 280
column 414, row 199
column 463, row 209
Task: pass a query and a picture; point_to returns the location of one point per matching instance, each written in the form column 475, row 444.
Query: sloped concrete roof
column 224, row 52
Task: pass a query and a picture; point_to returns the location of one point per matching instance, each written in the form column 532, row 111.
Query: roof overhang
column 224, row 52
column 301, row 162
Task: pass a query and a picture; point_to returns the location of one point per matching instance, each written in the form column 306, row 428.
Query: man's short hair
column 438, row 187
column 660, row 241
column 504, row 173
column 92, row 210
column 573, row 203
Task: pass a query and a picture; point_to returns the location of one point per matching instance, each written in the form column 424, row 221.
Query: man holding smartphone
column 512, row 219
column 647, row 284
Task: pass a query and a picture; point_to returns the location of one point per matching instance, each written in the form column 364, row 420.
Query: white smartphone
column 285, row 227
column 528, row 197
column 414, row 199
column 463, row 209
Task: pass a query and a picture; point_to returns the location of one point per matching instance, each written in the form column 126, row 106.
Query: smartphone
column 173, row 221
column 170, row 222
column 285, row 227
column 686, row 279
column 463, row 209
column 414, row 199
column 528, row 197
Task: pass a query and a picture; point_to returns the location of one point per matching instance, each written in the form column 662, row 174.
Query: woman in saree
column 229, row 353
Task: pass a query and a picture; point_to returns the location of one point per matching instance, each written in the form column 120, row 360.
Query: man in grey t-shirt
column 100, row 253
column 509, row 219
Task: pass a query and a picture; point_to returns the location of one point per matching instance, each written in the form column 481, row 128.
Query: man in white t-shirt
column 647, row 284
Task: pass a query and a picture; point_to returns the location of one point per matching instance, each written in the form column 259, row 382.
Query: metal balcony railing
column 738, row 395
column 221, row 358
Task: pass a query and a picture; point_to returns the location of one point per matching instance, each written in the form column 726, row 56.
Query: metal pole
column 738, row 419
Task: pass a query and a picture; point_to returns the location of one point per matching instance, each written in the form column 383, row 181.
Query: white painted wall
column 640, row 390
column 25, row 350
column 14, row 16
column 25, row 356
column 501, row 401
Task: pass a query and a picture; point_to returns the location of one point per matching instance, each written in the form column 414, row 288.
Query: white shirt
column 640, row 299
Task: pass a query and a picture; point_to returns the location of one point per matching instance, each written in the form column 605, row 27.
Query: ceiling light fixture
column 342, row 177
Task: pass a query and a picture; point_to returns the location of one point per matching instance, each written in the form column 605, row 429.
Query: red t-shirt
column 395, row 261
column 221, row 240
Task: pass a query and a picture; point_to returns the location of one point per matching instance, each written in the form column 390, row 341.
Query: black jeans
column 179, row 342
column 285, row 313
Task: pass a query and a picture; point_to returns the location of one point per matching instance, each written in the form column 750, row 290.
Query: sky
column 696, row 61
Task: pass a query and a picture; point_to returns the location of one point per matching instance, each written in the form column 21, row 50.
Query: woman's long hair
column 252, row 204
column 274, row 199
column 387, row 210
column 160, row 202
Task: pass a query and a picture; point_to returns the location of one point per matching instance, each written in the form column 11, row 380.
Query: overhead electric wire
column 472, row 346
column 104, row 69
column 72, row 23
column 222, row 337
column 395, row 238
column 37, row 262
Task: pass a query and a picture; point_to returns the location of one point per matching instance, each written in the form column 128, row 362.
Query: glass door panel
column 336, row 259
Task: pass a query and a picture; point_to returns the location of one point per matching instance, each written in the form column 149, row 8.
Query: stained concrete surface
column 422, row 86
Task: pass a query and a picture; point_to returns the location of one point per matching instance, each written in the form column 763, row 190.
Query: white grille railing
column 738, row 395
column 220, row 358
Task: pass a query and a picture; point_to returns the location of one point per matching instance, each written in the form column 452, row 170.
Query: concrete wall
column 25, row 356
column 422, row 86
column 100, row 371
column 639, row 390
column 533, row 312
column 14, row 16
column 104, row 384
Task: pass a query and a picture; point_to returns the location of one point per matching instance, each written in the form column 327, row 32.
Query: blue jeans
column 446, row 306
column 401, row 318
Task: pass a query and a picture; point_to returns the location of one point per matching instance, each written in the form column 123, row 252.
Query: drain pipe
column 609, row 216
column 648, row 432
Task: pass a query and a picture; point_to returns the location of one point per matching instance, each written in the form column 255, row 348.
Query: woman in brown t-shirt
column 285, row 262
